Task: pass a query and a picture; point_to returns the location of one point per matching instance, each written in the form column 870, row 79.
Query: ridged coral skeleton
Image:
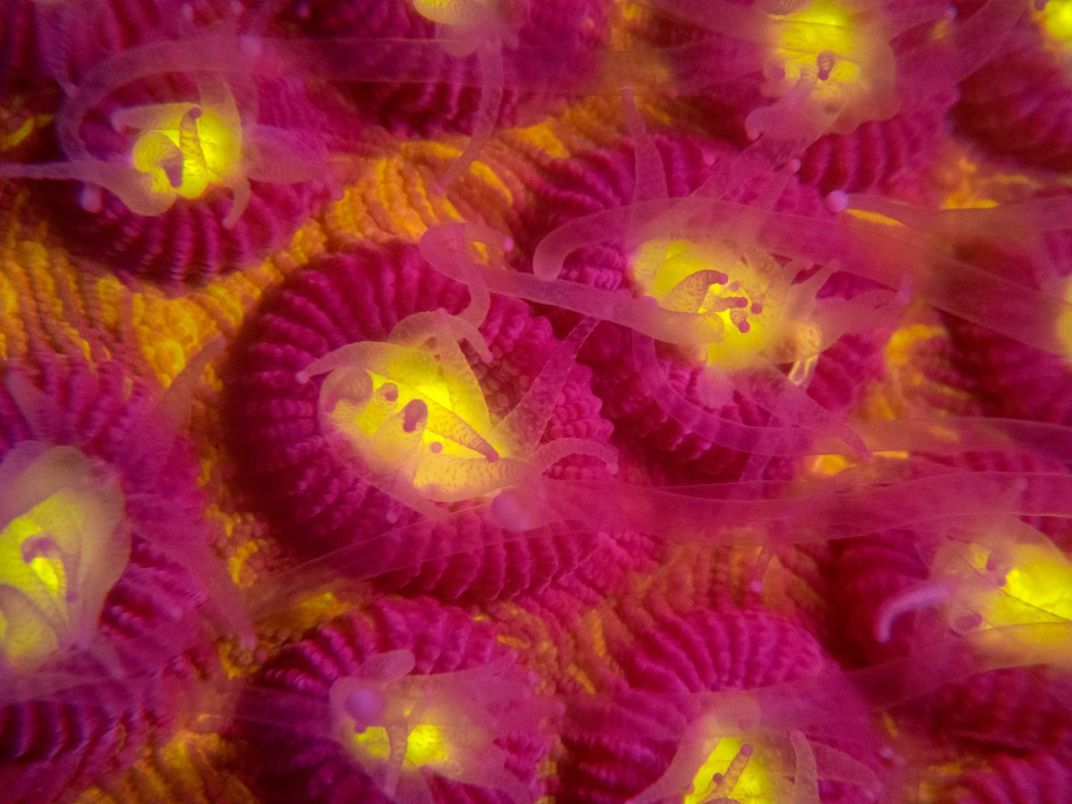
column 504, row 400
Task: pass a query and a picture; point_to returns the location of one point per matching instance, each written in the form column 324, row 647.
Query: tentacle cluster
column 528, row 400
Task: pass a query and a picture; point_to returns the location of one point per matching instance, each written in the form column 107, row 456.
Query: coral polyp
column 607, row 401
column 822, row 51
column 419, row 412
column 364, row 394
column 431, row 708
column 107, row 621
column 404, row 723
column 62, row 554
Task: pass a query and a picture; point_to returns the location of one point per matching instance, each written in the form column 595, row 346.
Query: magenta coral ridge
column 1019, row 104
column 549, row 44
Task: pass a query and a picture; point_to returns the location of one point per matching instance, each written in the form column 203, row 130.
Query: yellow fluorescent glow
column 425, row 745
column 829, row 465
column 454, row 12
column 819, row 42
column 754, row 785
column 41, row 578
column 416, row 415
column 185, row 149
column 901, row 348
column 1056, row 21
column 51, row 574
column 1036, row 586
column 428, row 388
column 411, row 415
column 59, row 558
column 833, row 69
column 671, row 271
column 874, row 217
column 392, row 394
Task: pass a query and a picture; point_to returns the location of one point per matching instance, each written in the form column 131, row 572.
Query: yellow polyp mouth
column 418, row 420
column 753, row 785
column 41, row 583
column 1036, row 586
column 670, row 271
column 187, row 149
column 60, row 555
column 818, row 43
column 369, row 418
column 1056, row 23
column 58, row 560
column 1042, row 582
column 426, row 745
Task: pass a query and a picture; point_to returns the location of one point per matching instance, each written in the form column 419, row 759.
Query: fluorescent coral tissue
column 505, row 401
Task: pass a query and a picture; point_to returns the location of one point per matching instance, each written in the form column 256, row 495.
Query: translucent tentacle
column 524, row 426
column 806, row 780
column 551, row 453
column 444, row 248
column 650, row 176
column 491, row 65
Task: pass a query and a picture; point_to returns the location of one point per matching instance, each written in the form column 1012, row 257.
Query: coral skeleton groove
column 531, row 401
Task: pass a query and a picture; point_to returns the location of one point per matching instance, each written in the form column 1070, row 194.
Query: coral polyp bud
column 185, row 148
column 63, row 546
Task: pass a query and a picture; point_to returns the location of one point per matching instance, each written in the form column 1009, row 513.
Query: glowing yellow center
column 1036, row 588
column 40, row 619
column 418, row 419
column 1056, row 22
column 60, row 557
column 820, row 43
column 425, row 745
column 188, row 148
column 392, row 394
column 42, row 581
column 753, row 785
column 673, row 273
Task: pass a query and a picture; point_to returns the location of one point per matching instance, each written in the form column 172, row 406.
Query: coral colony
column 536, row 401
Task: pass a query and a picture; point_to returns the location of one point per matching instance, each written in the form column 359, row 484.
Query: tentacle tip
column 90, row 198
column 837, row 201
